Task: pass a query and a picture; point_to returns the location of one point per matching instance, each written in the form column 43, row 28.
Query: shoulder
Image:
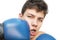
column 38, row 34
column 45, row 36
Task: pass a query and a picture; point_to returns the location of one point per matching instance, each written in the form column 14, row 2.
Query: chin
column 31, row 37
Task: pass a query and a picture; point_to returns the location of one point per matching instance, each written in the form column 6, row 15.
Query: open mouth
column 33, row 32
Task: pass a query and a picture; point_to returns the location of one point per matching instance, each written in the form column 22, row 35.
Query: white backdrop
column 51, row 25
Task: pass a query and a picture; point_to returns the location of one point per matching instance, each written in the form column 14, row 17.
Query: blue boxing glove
column 45, row 37
column 16, row 29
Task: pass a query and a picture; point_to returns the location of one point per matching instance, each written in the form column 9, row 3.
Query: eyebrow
column 40, row 18
column 30, row 14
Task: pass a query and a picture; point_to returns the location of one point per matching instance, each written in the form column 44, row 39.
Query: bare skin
column 39, row 33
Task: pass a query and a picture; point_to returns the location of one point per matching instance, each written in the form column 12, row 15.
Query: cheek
column 39, row 26
column 28, row 21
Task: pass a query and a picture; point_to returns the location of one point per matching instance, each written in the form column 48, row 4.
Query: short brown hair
column 39, row 5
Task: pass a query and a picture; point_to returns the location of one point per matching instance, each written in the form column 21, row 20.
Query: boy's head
column 34, row 12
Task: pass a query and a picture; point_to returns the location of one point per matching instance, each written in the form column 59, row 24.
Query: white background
column 51, row 25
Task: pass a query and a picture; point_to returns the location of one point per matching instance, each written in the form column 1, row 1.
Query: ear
column 20, row 15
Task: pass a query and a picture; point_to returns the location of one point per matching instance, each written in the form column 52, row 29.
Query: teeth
column 32, row 31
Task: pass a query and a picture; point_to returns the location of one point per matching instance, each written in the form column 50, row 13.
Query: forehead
column 34, row 12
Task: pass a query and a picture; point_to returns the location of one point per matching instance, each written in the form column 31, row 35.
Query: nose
column 34, row 23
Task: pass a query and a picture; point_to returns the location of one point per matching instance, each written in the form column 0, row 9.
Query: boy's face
column 34, row 20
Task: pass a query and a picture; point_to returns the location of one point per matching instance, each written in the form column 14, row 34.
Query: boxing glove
column 1, row 32
column 45, row 37
column 16, row 29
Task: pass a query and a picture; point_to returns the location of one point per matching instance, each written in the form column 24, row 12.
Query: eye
column 40, row 20
column 30, row 16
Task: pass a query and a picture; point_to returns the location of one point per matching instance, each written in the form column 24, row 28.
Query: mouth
column 33, row 32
